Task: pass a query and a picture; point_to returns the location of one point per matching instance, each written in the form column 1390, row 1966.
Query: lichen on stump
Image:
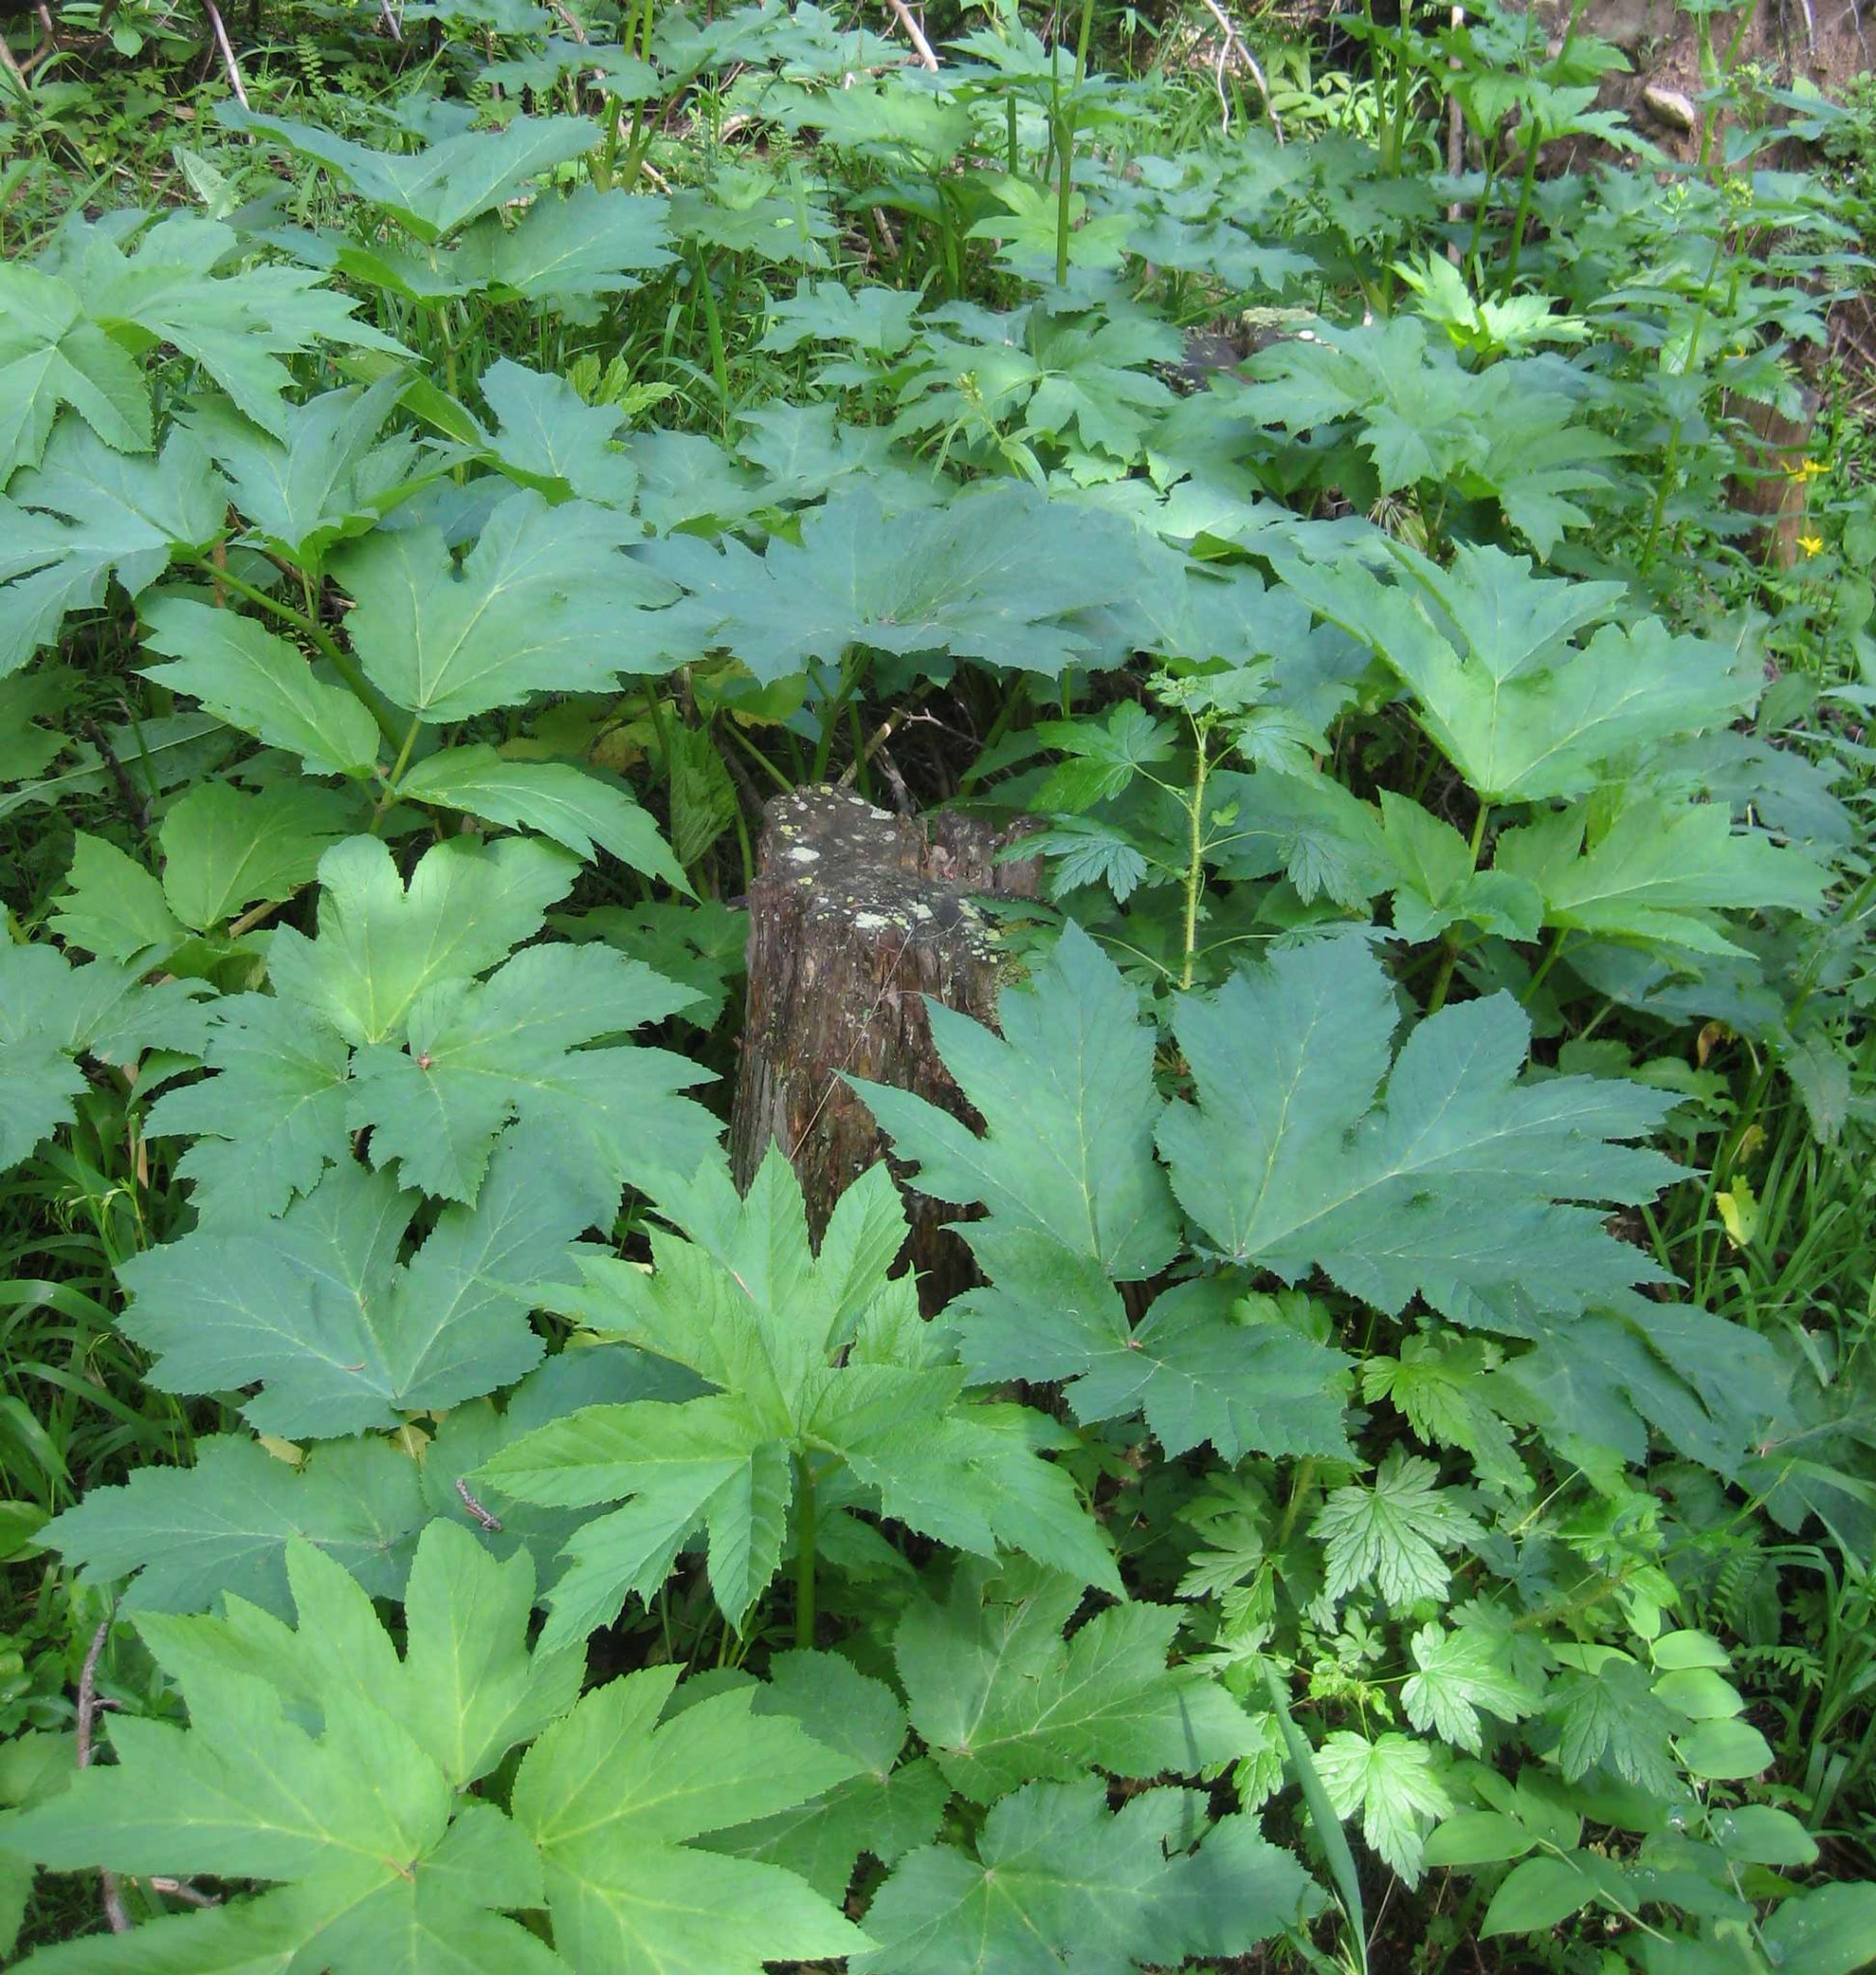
column 854, row 916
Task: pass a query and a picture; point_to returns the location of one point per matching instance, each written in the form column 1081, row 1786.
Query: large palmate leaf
column 315, row 1757
column 52, row 354
column 544, row 602
column 588, row 243
column 611, row 1799
column 1659, row 872
column 86, row 515
column 245, row 675
column 1075, row 1203
column 52, row 1014
column 549, row 438
column 885, row 1809
column 1065, row 1093
column 438, row 188
column 1000, row 1698
column 1521, row 712
column 1003, row 576
column 583, row 811
column 1056, row 1882
column 324, row 476
column 821, row 1364
column 1437, row 1173
column 316, row 1309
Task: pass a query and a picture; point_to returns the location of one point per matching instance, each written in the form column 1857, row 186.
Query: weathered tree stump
column 854, row 915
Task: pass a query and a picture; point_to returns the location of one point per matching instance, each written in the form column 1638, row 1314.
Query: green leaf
column 549, row 438
column 1478, row 1837
column 588, row 243
column 224, row 847
column 1000, row 575
column 87, row 515
column 114, row 907
column 1389, row 1534
column 1519, row 711
column 437, row 189
column 322, row 476
column 1446, row 1387
column 340, row 1337
column 1461, row 1672
column 1823, row 1930
column 1536, row 1895
column 225, row 1524
column 1057, row 1882
column 611, row 1799
column 573, row 807
column 886, row 1809
column 1449, row 1186
column 1607, row 1713
column 1000, row 1700
column 336, row 1795
column 1391, row 1780
column 817, row 1361
column 245, row 675
column 52, row 355
column 380, row 944
column 1727, row 1751
column 52, row 1012
column 1067, row 1095
column 1658, row 873
column 1439, row 886
column 544, row 602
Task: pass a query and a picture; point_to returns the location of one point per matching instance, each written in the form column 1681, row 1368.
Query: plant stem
column 1194, row 867
column 805, row 1553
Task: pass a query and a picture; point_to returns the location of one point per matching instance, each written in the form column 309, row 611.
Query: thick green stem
column 804, row 1551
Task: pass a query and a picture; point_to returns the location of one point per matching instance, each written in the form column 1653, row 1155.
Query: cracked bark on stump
column 854, row 916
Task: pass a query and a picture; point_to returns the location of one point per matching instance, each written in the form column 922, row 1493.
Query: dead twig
column 108, row 1882
column 1235, row 45
column 492, row 1524
column 914, row 34
column 228, row 62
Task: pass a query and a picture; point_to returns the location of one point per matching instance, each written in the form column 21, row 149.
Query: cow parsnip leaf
column 611, row 1799
column 544, row 602
column 86, row 515
column 810, row 1358
column 581, row 810
column 440, row 187
column 324, row 476
column 1438, row 1173
column 885, row 1810
column 1660, row 872
column 316, row 1756
column 245, row 675
column 52, row 1012
column 381, row 943
column 114, row 907
column 1000, row 1698
column 340, row 1337
column 1056, row 1882
column 1003, row 576
column 563, row 250
column 1067, row 1095
column 52, row 355
column 1520, row 711
column 549, row 438
column 224, row 847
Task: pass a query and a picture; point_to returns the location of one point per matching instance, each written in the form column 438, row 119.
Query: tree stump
column 854, row 915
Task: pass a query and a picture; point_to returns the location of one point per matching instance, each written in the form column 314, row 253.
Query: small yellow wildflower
column 1812, row 545
column 1806, row 470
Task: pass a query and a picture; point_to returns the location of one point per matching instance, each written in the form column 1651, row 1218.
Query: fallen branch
column 914, row 34
column 228, row 62
column 108, row 1882
column 1235, row 45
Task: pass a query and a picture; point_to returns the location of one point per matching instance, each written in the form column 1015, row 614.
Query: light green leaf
column 1056, row 1881
column 1389, row 1534
column 574, row 807
column 224, row 847
column 1459, row 1673
column 588, row 243
column 1391, row 1780
column 245, row 675
column 544, row 602
column 1000, row 1700
column 52, row 355
column 112, row 906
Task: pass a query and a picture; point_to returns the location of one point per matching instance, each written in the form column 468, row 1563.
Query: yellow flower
column 1806, row 470
column 1812, row 545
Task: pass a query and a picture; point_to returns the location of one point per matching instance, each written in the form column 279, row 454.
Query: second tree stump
column 854, row 915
